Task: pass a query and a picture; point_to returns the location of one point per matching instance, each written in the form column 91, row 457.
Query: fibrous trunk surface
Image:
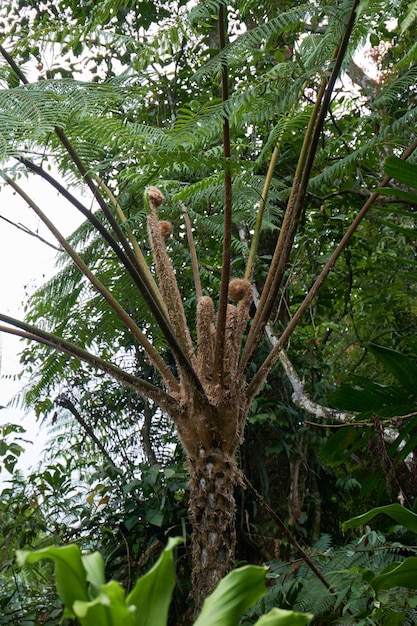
column 212, row 514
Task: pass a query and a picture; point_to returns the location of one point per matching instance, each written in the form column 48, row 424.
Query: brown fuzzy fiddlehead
column 205, row 336
column 166, row 274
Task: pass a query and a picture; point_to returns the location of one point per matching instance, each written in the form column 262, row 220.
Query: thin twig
column 290, row 537
column 27, row 231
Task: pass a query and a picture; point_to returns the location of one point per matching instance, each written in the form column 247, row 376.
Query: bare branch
column 301, row 399
column 27, row 231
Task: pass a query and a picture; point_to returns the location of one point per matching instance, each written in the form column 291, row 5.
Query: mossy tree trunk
column 211, row 430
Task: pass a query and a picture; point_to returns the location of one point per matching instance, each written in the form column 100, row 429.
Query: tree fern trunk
column 212, row 511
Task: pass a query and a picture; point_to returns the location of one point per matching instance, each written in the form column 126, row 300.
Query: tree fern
column 175, row 130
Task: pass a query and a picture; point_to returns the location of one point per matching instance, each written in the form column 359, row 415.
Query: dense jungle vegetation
column 226, row 351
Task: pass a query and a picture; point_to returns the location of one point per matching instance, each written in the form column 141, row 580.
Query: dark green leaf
column 340, row 446
column 397, row 575
column 404, row 172
column 401, row 515
column 400, row 366
column 407, row 196
column 233, row 596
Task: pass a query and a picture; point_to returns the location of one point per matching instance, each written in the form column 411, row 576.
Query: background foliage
column 135, row 87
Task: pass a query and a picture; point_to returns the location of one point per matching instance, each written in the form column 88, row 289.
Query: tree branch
column 66, row 403
column 357, row 75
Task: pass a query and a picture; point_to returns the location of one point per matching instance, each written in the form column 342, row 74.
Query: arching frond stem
column 262, row 373
column 140, row 278
column 299, row 188
column 91, row 217
column 227, row 211
column 132, row 238
column 251, row 257
column 143, row 283
column 152, row 353
column 193, row 252
column 142, row 387
column 250, row 264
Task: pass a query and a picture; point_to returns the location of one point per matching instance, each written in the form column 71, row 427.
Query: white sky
column 25, row 263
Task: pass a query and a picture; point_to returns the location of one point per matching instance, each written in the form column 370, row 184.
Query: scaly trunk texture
column 212, row 510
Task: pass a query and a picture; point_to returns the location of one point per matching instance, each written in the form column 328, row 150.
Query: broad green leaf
column 70, row 575
column 94, row 567
column 400, row 366
column 280, row 617
column 363, row 395
column 397, row 575
column 401, row 515
column 233, row 596
column 109, row 608
column 152, row 593
column 402, row 171
column 340, row 446
column 155, row 517
column 407, row 196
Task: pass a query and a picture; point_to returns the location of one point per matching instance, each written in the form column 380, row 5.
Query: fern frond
column 287, row 22
column 409, row 58
column 204, row 11
column 393, row 91
column 299, row 589
column 409, row 18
